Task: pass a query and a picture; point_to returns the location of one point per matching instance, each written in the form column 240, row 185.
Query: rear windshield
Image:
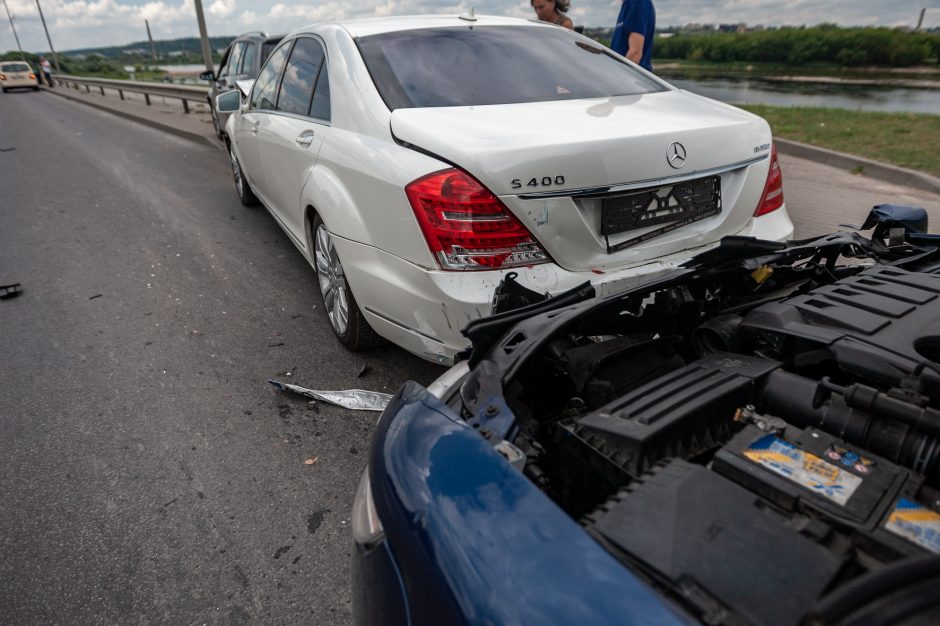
column 15, row 67
column 464, row 66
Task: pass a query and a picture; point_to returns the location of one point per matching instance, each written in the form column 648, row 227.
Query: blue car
column 751, row 439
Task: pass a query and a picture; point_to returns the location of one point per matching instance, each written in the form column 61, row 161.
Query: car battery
column 914, row 522
column 810, row 469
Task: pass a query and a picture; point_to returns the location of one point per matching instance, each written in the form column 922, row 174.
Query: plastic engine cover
column 722, row 548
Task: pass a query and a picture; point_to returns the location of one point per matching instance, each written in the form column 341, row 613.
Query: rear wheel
column 242, row 188
column 346, row 319
column 36, row 88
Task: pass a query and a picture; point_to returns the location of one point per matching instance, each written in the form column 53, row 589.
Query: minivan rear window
column 466, row 66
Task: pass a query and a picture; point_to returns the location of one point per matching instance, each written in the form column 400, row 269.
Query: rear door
column 296, row 130
column 228, row 70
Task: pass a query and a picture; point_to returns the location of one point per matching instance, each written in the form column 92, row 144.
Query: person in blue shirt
column 633, row 35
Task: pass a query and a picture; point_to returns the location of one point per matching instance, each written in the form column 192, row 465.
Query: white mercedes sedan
column 416, row 161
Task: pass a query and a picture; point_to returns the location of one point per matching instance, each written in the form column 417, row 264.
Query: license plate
column 674, row 206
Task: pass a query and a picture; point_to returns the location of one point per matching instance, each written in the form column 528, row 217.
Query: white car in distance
column 415, row 161
column 15, row 75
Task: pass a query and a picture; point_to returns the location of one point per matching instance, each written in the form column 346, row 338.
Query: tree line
column 797, row 46
column 92, row 66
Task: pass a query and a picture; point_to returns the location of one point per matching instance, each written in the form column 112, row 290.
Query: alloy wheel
column 332, row 279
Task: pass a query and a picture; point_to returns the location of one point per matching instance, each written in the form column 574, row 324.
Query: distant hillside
column 166, row 48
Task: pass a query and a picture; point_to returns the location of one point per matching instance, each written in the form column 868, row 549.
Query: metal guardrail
column 183, row 93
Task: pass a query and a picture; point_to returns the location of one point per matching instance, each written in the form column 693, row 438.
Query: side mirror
column 228, row 102
column 207, row 75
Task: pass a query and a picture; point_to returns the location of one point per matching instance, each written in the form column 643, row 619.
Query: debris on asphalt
column 312, row 460
column 277, row 345
column 9, row 291
column 365, row 370
column 7, row 149
column 354, row 399
column 97, row 295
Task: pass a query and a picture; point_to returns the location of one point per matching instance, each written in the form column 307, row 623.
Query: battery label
column 916, row 523
column 847, row 458
column 803, row 468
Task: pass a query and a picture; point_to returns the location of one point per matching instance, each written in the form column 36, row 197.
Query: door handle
column 304, row 139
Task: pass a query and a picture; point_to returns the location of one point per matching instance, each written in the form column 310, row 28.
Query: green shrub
column 798, row 46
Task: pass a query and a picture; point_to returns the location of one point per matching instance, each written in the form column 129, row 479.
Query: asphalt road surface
column 147, row 471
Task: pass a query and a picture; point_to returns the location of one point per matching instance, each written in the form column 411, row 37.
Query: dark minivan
column 242, row 60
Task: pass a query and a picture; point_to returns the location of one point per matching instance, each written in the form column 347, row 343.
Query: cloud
column 222, row 8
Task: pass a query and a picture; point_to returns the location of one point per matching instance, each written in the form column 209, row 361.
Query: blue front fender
column 477, row 543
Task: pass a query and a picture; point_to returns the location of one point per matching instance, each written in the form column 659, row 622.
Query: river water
column 852, row 97
column 757, row 91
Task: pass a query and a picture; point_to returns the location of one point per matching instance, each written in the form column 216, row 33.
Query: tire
column 242, row 188
column 4, row 90
column 216, row 126
column 339, row 305
column 36, row 88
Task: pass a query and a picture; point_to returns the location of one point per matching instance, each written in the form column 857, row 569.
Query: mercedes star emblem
column 675, row 155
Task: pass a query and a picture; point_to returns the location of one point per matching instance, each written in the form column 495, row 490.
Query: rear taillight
column 772, row 198
column 3, row 77
column 33, row 76
column 467, row 227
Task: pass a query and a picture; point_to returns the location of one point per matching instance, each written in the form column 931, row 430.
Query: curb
column 173, row 130
column 867, row 167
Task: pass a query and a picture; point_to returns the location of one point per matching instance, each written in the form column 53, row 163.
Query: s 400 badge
column 544, row 181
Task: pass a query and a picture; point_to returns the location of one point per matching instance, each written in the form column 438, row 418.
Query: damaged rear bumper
column 424, row 311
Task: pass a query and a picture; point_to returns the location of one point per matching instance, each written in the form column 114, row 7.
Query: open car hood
column 757, row 433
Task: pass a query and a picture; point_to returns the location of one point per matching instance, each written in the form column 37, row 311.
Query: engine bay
column 757, row 436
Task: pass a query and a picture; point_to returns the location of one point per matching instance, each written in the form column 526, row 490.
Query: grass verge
column 906, row 139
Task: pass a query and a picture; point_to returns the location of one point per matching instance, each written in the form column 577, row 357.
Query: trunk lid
column 560, row 147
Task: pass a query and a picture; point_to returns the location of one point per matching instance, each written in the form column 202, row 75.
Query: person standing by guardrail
column 633, row 35
column 46, row 68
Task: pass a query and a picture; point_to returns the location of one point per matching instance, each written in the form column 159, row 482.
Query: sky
column 92, row 23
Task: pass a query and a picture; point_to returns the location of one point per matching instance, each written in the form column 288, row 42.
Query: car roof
column 376, row 25
column 257, row 35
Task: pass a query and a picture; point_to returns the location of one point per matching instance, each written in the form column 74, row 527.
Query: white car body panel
column 354, row 175
column 618, row 141
column 287, row 163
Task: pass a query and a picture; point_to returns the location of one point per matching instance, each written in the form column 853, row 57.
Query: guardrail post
column 147, row 98
column 121, row 93
column 185, row 106
column 87, row 89
column 102, row 90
